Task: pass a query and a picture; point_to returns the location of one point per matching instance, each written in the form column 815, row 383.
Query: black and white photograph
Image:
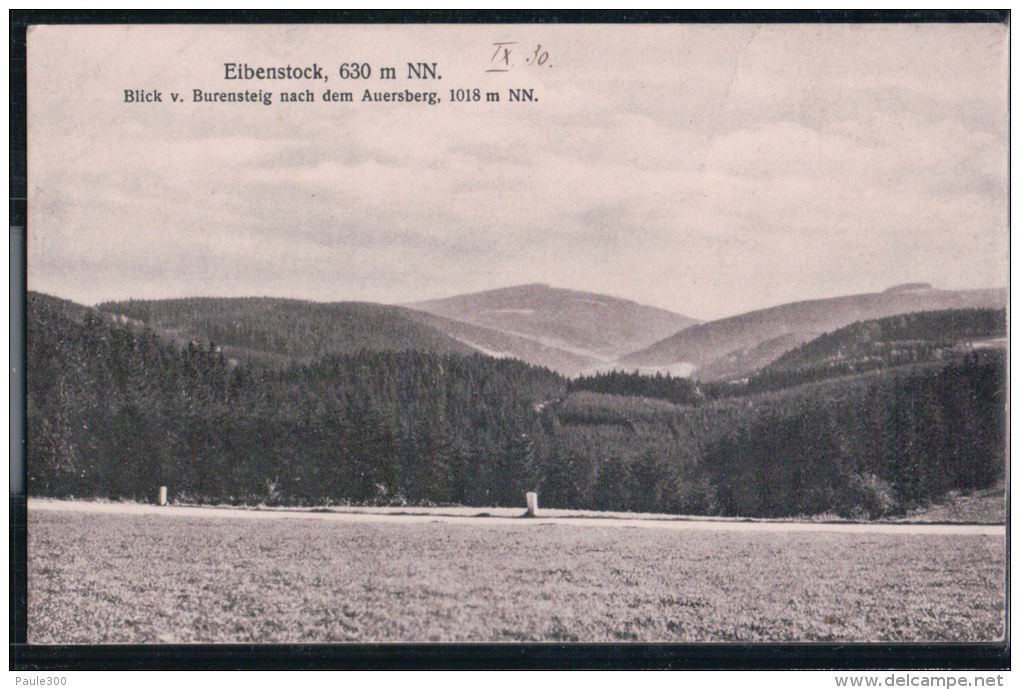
column 517, row 333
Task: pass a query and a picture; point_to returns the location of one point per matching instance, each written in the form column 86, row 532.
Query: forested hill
column 116, row 410
column 863, row 346
column 736, row 346
column 269, row 330
column 41, row 306
column 897, row 339
column 870, row 444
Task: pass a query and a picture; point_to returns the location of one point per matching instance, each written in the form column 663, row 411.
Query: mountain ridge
column 708, row 345
column 572, row 332
column 590, row 325
column 275, row 330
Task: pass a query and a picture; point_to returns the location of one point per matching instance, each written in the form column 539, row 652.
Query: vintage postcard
column 502, row 333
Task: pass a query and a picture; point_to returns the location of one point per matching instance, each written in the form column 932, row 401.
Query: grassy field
column 97, row 578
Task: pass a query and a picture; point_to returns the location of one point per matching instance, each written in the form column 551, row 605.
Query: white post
column 532, row 504
column 162, row 495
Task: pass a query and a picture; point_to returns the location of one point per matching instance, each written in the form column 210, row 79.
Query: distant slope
column 739, row 362
column 920, row 335
column 506, row 345
column 590, row 326
column 709, row 345
column 273, row 330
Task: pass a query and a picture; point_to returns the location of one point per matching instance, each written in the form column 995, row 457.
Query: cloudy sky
column 705, row 169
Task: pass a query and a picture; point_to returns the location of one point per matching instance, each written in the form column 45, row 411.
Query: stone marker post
column 532, row 504
column 162, row 495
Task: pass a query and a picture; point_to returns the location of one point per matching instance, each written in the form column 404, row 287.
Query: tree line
column 116, row 411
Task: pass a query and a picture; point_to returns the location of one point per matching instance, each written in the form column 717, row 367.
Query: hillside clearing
column 142, row 578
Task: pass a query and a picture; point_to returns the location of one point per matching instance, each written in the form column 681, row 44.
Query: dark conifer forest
column 116, row 409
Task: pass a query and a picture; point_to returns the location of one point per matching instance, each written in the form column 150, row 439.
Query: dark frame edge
column 21, row 18
column 631, row 656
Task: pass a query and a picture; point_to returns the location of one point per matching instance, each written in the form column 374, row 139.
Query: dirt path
column 503, row 517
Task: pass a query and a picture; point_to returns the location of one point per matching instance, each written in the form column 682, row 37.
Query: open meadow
column 142, row 578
